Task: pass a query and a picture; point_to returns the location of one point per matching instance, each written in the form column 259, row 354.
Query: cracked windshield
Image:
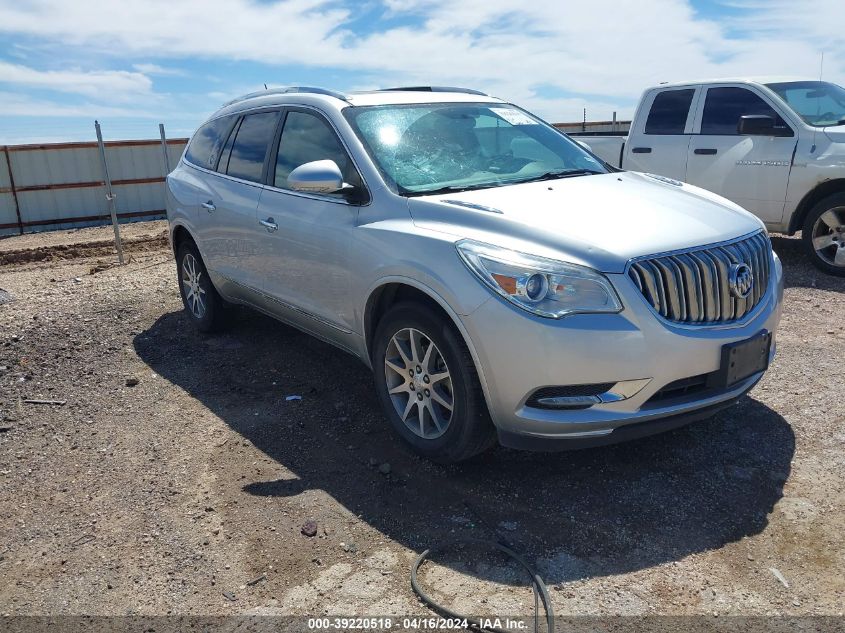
column 439, row 148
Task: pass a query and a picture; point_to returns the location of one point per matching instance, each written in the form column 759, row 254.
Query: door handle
column 208, row 206
column 269, row 224
column 641, row 150
column 705, row 150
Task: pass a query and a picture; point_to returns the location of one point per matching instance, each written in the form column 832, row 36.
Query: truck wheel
column 204, row 307
column 824, row 235
column 428, row 386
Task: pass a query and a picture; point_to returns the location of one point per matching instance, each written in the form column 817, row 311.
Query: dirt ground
column 176, row 478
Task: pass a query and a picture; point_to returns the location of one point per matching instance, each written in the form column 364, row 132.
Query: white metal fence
column 61, row 185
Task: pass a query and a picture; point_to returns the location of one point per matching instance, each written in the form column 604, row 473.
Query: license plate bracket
column 742, row 359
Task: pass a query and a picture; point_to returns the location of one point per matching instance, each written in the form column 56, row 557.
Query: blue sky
column 132, row 64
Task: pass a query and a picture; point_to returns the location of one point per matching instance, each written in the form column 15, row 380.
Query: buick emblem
column 741, row 280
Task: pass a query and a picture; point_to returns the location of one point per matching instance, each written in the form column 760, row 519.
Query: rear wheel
column 428, row 386
column 205, row 308
column 824, row 235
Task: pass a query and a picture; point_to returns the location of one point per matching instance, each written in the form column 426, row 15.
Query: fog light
column 569, row 402
column 568, row 396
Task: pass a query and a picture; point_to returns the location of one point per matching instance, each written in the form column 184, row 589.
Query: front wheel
column 428, row 386
column 824, row 235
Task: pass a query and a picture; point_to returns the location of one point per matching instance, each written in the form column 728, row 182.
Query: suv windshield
column 819, row 103
column 439, row 147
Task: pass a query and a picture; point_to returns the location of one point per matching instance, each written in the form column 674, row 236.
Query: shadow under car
column 612, row 509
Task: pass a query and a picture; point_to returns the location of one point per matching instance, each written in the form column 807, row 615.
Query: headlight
column 542, row 286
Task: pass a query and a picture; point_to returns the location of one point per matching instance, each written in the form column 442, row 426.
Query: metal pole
column 109, row 194
column 164, row 149
column 12, row 187
column 613, row 127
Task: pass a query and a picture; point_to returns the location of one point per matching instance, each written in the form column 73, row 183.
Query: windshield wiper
column 560, row 173
column 549, row 175
column 453, row 189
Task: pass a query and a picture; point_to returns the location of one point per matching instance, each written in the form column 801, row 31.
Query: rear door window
column 246, row 160
column 207, row 142
column 669, row 112
column 724, row 106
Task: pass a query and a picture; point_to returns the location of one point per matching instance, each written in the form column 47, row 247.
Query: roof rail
column 468, row 91
column 288, row 90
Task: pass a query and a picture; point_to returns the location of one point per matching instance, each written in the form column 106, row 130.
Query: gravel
column 172, row 494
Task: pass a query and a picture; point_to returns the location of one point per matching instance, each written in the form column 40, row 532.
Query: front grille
column 693, row 286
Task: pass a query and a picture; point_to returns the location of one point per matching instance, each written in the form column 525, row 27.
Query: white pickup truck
column 775, row 147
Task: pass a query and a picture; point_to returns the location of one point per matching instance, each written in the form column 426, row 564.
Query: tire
column 444, row 436
column 823, row 234
column 209, row 313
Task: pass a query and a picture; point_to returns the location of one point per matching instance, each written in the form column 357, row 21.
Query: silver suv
column 497, row 277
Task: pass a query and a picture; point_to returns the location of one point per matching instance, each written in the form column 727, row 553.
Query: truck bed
column 608, row 147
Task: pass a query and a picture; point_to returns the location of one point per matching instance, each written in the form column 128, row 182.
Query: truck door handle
column 208, row 206
column 269, row 224
column 705, row 150
column 641, row 150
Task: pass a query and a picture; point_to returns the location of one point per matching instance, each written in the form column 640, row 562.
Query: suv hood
column 600, row 221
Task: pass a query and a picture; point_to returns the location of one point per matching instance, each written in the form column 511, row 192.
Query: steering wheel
column 505, row 163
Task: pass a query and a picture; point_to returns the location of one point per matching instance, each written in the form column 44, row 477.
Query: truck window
column 724, row 106
column 669, row 112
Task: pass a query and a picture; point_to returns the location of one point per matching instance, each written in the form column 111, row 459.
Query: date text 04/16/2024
column 409, row 623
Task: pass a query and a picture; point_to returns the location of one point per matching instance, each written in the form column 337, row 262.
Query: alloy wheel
column 194, row 292
column 419, row 383
column 829, row 237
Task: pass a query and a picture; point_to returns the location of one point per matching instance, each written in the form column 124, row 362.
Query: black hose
column 537, row 584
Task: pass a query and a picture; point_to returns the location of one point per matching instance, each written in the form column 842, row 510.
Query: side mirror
column 584, row 145
column 760, row 125
column 319, row 176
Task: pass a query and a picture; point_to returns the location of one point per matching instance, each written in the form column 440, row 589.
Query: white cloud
column 570, row 48
column 155, row 69
column 822, row 22
column 523, row 52
column 240, row 29
column 110, row 85
column 15, row 104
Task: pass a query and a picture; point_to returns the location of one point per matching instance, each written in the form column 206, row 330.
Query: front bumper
column 519, row 353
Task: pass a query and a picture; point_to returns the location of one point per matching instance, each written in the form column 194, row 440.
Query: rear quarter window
column 206, row 144
column 669, row 112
